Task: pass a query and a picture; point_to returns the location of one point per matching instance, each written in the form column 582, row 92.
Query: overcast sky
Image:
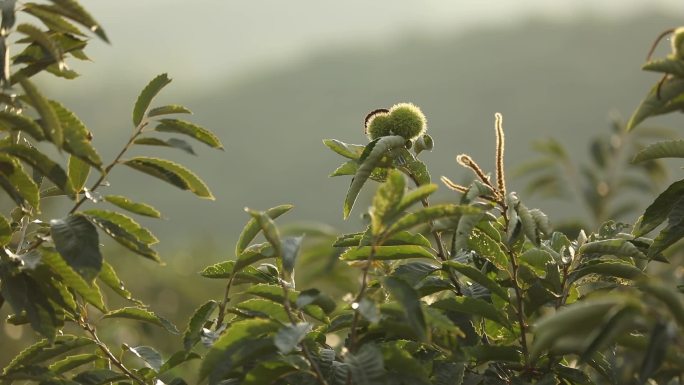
column 199, row 40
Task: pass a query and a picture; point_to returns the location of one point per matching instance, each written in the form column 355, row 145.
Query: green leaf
column 109, row 277
column 289, row 336
column 50, row 122
column 488, row 248
column 290, row 246
column 253, row 254
column 473, row 306
column 76, row 239
column 573, row 321
column 89, row 291
column 609, row 269
column 9, row 121
column 351, row 151
column 167, row 110
column 659, row 210
column 172, row 173
column 268, row 228
column 151, row 357
column 428, row 214
column 418, row 194
column 5, row 231
column 192, row 130
column 366, row 366
column 42, row 39
column 78, row 173
column 656, row 103
column 479, row 277
column 77, row 138
column 178, row 358
column 237, row 343
column 672, row 233
column 669, row 65
column 51, row 20
column 386, row 201
column 17, row 183
column 125, row 231
column 143, row 315
column 172, row 142
column 134, row 207
column 666, row 149
column 376, row 150
column 146, row 96
column 410, row 302
column 616, row 247
column 219, row 270
column 418, row 171
column 671, row 298
column 28, row 301
column 252, row 227
column 263, row 308
column 399, row 360
column 485, row 353
column 658, row 343
column 72, row 362
column 191, row 335
column 384, row 253
column 73, row 10
column 99, row 376
column 44, row 350
column 269, row 372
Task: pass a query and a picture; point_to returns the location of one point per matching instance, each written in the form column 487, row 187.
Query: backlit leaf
column 477, row 276
column 659, row 150
column 127, row 224
column 172, row 142
column 50, row 122
column 659, row 210
column 169, row 109
column 219, row 270
column 77, row 138
column 192, row 333
column 376, row 150
column 10, row 121
column 172, row 173
column 134, row 207
column 383, row 253
column 252, row 227
column 78, row 173
column 89, row 292
column 143, row 315
column 192, row 130
column 146, row 96
column 74, row 11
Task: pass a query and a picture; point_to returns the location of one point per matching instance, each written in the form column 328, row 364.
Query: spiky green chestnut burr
column 677, row 42
column 378, row 124
column 407, row 120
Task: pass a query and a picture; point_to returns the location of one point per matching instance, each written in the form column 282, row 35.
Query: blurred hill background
column 273, row 80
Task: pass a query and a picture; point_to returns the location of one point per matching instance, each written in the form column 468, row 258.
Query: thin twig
column 103, row 347
column 466, row 161
column 106, row 170
column 224, row 303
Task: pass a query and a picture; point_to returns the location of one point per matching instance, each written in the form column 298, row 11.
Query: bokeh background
column 274, row 78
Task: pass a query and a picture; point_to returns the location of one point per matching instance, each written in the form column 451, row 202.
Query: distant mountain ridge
column 547, row 80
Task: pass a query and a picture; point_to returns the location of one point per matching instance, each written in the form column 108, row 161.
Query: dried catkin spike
column 466, row 161
column 500, row 143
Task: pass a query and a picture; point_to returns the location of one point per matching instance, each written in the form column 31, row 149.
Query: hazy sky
column 198, row 40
